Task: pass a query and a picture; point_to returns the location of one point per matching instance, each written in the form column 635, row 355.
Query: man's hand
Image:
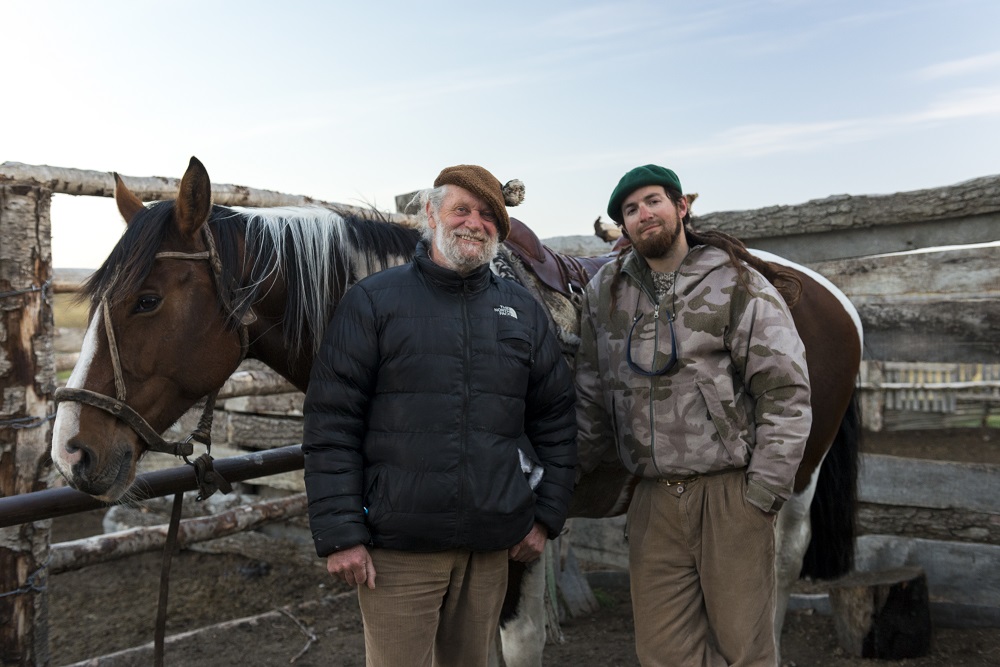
column 531, row 547
column 352, row 565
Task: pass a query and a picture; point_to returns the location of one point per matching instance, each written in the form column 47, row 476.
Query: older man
column 438, row 384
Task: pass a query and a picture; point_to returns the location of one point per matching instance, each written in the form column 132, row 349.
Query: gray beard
column 464, row 264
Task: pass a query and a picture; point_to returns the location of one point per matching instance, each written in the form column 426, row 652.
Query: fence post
column 27, row 381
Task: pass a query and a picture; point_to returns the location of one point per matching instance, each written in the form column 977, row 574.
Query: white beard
column 460, row 260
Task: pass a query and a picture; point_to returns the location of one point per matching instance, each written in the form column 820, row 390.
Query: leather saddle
column 565, row 274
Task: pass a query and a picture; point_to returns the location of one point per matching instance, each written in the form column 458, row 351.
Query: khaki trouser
column 439, row 609
column 701, row 561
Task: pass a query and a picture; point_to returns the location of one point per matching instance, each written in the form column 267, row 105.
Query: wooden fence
column 943, row 310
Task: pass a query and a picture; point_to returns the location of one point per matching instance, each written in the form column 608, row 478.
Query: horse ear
column 128, row 203
column 194, row 201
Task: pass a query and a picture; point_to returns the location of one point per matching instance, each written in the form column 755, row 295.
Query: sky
column 753, row 103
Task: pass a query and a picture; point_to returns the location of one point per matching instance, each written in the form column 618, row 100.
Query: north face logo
column 506, row 310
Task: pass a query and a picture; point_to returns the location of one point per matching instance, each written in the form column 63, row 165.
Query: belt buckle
column 678, row 483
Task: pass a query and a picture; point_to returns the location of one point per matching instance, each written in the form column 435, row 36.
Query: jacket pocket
column 516, row 343
column 727, row 419
column 374, row 498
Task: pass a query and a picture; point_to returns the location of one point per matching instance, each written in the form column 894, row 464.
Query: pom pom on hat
column 513, row 192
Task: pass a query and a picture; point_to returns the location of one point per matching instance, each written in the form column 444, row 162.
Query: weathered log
column 904, row 221
column 262, row 432
column 65, row 361
column 277, row 405
column 27, row 380
column 254, row 383
column 63, row 180
column 113, row 546
column 884, row 615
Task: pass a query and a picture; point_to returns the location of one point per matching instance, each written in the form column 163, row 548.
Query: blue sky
column 753, row 103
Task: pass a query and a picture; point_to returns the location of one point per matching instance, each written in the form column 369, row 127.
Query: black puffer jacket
column 426, row 386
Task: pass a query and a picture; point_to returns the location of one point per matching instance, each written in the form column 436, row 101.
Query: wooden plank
column 600, row 540
column 940, row 306
column 893, row 480
column 947, row 330
column 921, row 276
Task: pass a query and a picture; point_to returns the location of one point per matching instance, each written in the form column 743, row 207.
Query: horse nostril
column 79, row 455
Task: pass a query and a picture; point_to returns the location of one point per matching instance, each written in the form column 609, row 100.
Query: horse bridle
column 118, row 408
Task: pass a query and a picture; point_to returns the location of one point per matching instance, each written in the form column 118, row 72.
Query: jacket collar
column 699, row 261
column 447, row 279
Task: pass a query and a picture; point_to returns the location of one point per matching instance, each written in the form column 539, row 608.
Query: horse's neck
column 269, row 341
column 267, row 337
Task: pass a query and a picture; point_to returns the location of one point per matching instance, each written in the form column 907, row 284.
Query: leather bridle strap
column 118, row 409
column 117, row 406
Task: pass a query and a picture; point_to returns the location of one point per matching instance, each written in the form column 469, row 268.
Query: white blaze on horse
column 191, row 289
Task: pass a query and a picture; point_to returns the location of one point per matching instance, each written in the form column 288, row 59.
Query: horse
column 191, row 289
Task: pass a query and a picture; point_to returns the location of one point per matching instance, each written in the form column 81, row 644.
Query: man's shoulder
column 387, row 277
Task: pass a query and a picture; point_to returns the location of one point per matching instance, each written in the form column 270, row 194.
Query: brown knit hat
column 485, row 185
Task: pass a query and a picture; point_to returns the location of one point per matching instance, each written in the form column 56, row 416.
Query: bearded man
column 437, row 386
column 691, row 369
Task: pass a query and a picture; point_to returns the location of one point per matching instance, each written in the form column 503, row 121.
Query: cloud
column 967, row 103
column 757, row 140
column 953, row 68
column 767, row 139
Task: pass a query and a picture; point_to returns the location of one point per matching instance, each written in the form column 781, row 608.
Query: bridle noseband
column 118, row 408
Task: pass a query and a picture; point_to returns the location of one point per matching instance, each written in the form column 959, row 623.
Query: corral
column 956, row 309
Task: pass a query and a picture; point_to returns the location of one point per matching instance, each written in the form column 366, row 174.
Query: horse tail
column 512, row 597
column 834, row 506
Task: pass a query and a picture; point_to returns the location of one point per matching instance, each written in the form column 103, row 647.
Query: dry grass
column 69, row 312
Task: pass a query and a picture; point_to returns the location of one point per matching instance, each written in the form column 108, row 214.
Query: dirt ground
column 310, row 620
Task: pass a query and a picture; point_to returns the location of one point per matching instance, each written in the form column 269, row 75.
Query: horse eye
column 146, row 303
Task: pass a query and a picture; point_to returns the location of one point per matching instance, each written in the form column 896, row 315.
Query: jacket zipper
column 465, row 413
column 652, row 382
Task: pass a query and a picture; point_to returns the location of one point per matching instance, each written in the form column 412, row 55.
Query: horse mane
column 317, row 252
column 131, row 259
column 784, row 280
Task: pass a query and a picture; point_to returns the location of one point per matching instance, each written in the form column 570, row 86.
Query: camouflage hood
column 737, row 397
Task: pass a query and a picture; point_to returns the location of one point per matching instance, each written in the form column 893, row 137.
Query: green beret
column 639, row 177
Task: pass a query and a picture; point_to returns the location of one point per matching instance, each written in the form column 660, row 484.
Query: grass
column 68, row 312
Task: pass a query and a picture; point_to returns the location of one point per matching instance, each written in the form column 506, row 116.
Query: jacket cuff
column 330, row 541
column 763, row 498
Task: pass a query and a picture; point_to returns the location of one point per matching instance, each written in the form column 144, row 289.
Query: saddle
column 563, row 273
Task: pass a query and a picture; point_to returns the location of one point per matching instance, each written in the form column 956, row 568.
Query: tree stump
column 884, row 615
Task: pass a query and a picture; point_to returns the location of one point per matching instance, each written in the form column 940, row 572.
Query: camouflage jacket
column 738, row 396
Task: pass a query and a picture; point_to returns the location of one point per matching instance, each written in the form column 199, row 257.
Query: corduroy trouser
column 701, row 562
column 439, row 609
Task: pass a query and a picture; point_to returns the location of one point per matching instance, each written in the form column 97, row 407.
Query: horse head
column 158, row 340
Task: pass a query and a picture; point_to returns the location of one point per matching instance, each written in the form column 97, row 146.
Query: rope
column 19, row 423
column 44, row 287
column 30, row 586
column 168, row 551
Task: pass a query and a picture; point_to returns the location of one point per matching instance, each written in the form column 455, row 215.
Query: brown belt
column 688, row 480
